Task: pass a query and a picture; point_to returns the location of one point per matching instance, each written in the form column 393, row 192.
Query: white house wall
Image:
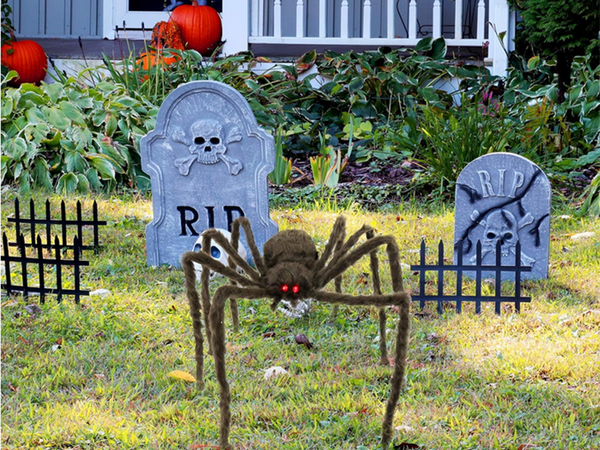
column 57, row 18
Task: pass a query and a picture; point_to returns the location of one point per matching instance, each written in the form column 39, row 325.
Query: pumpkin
column 27, row 58
column 200, row 26
column 164, row 35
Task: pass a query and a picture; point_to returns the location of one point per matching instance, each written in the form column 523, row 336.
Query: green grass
column 474, row 381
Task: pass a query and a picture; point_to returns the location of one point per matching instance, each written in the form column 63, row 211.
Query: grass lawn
column 94, row 376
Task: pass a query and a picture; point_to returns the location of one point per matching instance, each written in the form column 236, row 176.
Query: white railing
column 462, row 23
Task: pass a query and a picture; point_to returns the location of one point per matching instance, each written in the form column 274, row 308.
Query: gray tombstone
column 208, row 161
column 503, row 197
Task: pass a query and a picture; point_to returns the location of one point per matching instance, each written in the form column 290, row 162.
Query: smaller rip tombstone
column 502, row 198
column 208, row 161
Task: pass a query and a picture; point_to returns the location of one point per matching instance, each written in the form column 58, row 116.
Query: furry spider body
column 291, row 269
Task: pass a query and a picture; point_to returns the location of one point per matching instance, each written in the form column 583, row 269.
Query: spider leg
column 231, row 252
column 194, row 302
column 345, row 261
column 218, row 343
column 245, row 224
column 337, row 234
column 338, row 279
column 207, row 261
column 377, row 291
column 401, row 299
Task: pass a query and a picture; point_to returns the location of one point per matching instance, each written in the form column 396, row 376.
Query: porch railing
column 462, row 23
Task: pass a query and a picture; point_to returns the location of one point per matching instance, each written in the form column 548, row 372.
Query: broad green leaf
column 533, row 62
column 7, row 107
column 106, row 86
column 34, row 115
column 5, row 162
column 41, row 174
column 55, row 91
column 67, row 184
column 94, row 180
column 75, row 162
column 56, row 118
column 103, row 166
column 438, row 49
column 72, row 112
column 53, row 141
column 356, row 84
column 83, row 185
column 111, row 125
column 593, row 90
column 423, row 45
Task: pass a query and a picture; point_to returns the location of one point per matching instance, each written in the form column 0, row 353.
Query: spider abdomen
column 290, row 246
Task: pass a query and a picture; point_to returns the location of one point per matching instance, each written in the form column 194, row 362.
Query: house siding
column 57, row 18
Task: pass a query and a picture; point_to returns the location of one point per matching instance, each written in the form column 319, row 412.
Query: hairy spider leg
column 235, row 231
column 377, row 291
column 194, row 302
column 338, row 233
column 218, row 336
column 398, row 298
column 208, row 263
column 234, row 259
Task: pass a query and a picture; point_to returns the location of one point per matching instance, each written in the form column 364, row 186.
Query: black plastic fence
column 478, row 269
column 63, row 223
column 39, row 259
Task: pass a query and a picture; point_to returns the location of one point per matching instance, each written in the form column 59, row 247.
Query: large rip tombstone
column 504, row 198
column 208, row 161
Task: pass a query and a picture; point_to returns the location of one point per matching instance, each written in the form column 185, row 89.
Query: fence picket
column 47, row 222
column 478, row 269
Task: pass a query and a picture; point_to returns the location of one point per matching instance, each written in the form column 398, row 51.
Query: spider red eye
column 285, row 288
column 295, row 289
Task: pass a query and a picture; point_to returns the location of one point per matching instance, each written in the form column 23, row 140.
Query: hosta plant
column 68, row 137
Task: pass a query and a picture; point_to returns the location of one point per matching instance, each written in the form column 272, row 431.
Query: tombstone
column 208, row 162
column 503, row 197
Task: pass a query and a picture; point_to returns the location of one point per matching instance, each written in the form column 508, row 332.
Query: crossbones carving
column 206, row 142
column 502, row 226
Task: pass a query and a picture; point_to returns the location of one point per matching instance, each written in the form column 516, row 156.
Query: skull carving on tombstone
column 501, row 226
column 208, row 141
column 217, row 252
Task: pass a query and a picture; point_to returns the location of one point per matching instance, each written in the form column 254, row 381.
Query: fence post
column 40, row 255
column 58, row 269
column 236, row 26
column 6, row 258
column 440, row 305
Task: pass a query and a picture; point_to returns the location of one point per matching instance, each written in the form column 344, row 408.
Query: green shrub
column 70, row 137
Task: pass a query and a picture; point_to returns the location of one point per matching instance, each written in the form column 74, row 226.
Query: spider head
column 289, row 281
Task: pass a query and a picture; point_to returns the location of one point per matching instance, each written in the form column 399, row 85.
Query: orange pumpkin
column 200, row 26
column 27, row 58
column 151, row 58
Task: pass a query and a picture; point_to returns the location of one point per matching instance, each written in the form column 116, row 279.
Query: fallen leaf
column 181, row 375
column 24, row 341
column 274, row 372
column 268, row 334
column 582, row 236
column 100, row 292
column 405, row 428
column 525, row 446
column 303, row 340
column 59, row 341
column 100, row 376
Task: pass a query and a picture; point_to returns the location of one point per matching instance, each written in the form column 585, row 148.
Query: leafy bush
column 71, row 137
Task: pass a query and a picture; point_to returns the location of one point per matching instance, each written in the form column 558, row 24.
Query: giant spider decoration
column 291, row 270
